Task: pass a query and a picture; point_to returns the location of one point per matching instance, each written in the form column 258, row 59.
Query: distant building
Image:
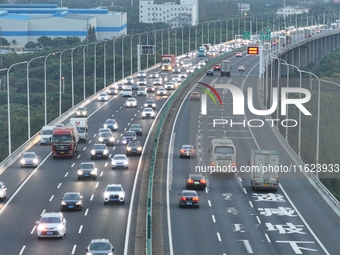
column 28, row 22
column 291, row 10
column 176, row 15
column 243, row 7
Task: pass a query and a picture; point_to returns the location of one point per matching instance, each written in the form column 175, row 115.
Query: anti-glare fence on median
column 164, row 115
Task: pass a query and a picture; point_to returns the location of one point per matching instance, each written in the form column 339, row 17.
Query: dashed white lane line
column 66, row 174
column 80, row 229
column 43, row 212
column 59, row 186
column 22, row 250
column 209, row 203
column 258, row 219
column 51, row 198
column 268, row 239
column 96, row 185
column 33, row 229
column 213, row 218
column 219, row 237
column 73, row 164
column 251, row 204
column 91, row 198
column 74, row 249
column 86, row 211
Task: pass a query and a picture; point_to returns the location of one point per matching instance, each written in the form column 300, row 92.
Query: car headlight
column 78, row 113
column 22, row 161
column 105, row 152
column 153, row 105
column 93, row 152
column 93, row 172
column 105, row 125
column 41, row 227
column 35, row 161
column 121, row 194
column 113, row 162
column 80, row 172
column 106, row 194
column 115, row 126
column 111, row 139
column 145, row 105
column 128, row 148
column 125, row 162
column 79, row 203
column 84, row 113
column 63, row 203
column 124, row 141
column 60, row 227
column 101, row 139
column 139, row 148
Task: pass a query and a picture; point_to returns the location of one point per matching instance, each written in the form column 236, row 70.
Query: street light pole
column 45, row 83
column 95, row 68
column 28, row 97
column 84, row 72
column 60, row 78
column 9, row 108
column 131, row 68
column 72, row 75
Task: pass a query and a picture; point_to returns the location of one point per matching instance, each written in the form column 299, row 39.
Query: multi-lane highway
column 233, row 219
column 34, row 191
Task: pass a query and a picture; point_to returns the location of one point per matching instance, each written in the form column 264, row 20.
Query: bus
column 222, row 154
column 202, row 51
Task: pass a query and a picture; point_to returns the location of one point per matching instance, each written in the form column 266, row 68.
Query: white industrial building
column 28, row 22
column 176, row 15
column 291, row 10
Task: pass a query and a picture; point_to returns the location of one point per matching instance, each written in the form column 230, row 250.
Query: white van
column 46, row 134
column 222, row 154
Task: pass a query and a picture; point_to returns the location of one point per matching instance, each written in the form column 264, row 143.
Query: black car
column 210, row 73
column 188, row 198
column 99, row 150
column 106, row 138
column 87, row 170
column 136, row 128
column 134, row 147
column 150, row 103
column 72, row 201
column 195, row 181
column 134, row 86
column 217, row 67
column 128, row 136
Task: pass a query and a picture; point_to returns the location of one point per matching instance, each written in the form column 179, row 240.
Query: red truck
column 168, row 62
column 64, row 141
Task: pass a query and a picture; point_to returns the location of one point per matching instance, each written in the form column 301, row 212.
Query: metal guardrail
column 329, row 197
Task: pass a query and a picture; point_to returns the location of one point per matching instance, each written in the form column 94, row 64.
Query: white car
column 141, row 81
column 141, row 91
column 183, row 75
column 114, row 193
column 157, row 82
column 103, row 97
column 169, row 85
column 190, row 70
column 161, row 92
column 119, row 160
column 29, row 159
column 202, row 63
column 3, row 191
column 51, row 224
column 129, row 81
column 131, row 102
column 197, row 67
column 154, row 75
column 100, row 246
column 127, row 92
column 164, row 77
column 148, row 113
column 141, row 74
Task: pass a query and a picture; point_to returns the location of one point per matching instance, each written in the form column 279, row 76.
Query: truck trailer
column 82, row 128
column 168, row 62
column 264, row 169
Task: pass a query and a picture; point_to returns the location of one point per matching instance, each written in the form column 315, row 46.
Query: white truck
column 222, row 154
column 46, row 134
column 82, row 128
column 264, row 169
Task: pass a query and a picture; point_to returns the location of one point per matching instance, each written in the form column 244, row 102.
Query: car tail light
column 183, row 198
column 202, row 181
column 182, row 151
column 195, row 199
column 190, row 181
column 192, row 151
column 234, row 164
